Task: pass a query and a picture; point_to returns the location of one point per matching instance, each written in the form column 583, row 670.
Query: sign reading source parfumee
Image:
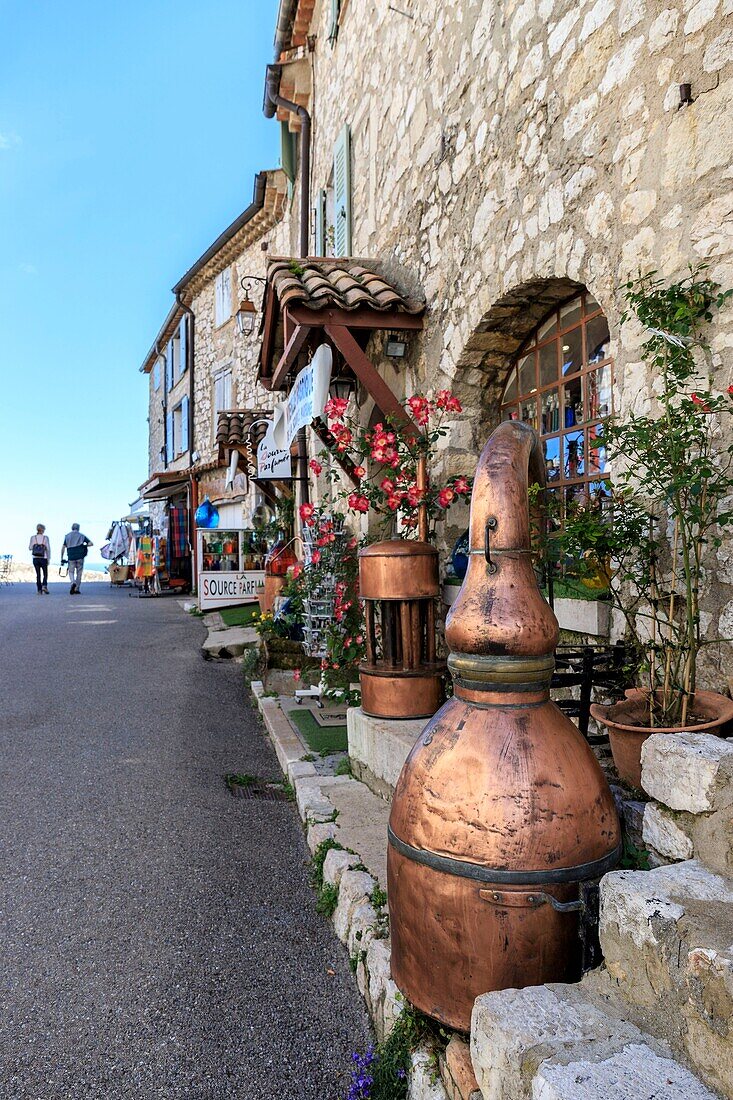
column 221, row 589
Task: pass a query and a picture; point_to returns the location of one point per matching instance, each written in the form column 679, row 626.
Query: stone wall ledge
column 378, row 748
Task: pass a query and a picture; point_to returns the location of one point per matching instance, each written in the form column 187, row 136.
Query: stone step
column 667, row 938
column 552, row 1042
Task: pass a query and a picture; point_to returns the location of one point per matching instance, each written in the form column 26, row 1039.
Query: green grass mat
column 331, row 739
column 239, row 616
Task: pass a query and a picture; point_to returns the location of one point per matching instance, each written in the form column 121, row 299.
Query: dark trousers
column 41, row 567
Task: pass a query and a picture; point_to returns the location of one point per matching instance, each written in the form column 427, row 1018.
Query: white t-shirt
column 41, row 540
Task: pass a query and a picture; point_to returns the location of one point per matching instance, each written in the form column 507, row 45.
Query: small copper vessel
column 501, row 812
column 400, row 676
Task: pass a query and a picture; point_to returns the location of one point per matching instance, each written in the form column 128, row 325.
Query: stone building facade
column 167, row 366
column 225, row 361
column 502, row 158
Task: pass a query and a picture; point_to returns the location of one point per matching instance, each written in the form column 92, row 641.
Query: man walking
column 75, row 545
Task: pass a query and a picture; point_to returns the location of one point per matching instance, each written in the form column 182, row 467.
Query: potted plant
column 667, row 510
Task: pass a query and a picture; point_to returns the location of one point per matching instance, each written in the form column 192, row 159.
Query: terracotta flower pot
column 626, row 722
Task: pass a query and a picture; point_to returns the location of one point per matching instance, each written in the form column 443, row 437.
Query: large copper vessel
column 400, row 676
column 501, row 812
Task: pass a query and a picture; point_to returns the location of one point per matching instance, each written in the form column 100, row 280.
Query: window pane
column 528, row 411
column 572, row 402
column 570, row 314
column 548, row 363
column 573, row 455
column 597, row 339
column 551, row 448
column 598, row 393
column 596, row 451
column 550, row 412
column 548, row 328
column 591, row 305
column 527, row 379
column 510, row 390
column 572, row 351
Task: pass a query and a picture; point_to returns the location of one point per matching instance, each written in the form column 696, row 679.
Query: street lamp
column 342, row 387
column 247, row 311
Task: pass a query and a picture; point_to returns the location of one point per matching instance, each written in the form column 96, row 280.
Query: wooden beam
column 362, row 318
column 288, row 357
column 328, row 439
column 268, row 333
column 369, row 377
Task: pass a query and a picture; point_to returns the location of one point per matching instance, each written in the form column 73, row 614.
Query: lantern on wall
column 399, row 583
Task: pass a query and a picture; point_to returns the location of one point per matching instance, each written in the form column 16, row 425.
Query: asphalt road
column 157, row 936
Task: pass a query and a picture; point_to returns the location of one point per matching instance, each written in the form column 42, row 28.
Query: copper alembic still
column 502, row 819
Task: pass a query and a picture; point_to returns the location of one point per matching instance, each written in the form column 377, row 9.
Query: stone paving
column 159, row 936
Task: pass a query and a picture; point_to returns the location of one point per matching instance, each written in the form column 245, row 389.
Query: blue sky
column 130, row 135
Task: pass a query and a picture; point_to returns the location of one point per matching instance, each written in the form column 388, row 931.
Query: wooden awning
column 338, row 301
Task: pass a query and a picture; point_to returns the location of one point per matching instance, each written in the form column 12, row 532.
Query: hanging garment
column 144, row 563
column 119, row 542
column 177, row 531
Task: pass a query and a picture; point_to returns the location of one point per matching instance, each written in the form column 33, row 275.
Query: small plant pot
column 450, row 592
column 628, row 729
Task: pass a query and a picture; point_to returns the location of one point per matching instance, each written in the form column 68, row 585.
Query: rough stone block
column 334, row 865
column 632, row 815
column 662, row 831
column 687, row 771
column 667, row 937
column 394, row 1003
column 635, row 1073
column 378, row 748
column 425, row 1084
column 355, row 888
column 320, row 832
column 514, row 1030
column 457, row 1073
column 362, row 924
column 231, row 642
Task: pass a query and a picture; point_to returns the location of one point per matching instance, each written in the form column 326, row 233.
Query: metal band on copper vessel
column 480, row 672
column 596, row 868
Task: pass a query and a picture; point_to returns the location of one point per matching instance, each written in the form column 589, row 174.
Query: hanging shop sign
column 307, row 399
column 273, row 461
column 223, row 589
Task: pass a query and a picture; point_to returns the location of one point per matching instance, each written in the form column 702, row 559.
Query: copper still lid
column 398, row 569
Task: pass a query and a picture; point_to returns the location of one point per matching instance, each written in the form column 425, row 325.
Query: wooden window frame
column 533, row 346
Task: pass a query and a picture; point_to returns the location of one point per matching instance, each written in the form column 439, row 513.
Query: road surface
column 157, row 936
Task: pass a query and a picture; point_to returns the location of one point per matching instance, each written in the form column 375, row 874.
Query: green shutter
column 333, row 30
column 287, row 152
column 320, row 224
column 342, row 193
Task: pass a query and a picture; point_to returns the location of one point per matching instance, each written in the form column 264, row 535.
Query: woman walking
column 40, row 549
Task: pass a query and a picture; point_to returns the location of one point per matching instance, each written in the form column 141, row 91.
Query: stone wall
column 504, row 154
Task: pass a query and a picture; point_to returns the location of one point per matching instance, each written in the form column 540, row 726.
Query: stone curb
column 356, row 921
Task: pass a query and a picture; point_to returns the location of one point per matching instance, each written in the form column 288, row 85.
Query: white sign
column 273, row 461
column 221, row 589
column 306, row 400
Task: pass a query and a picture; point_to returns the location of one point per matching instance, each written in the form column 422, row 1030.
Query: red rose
column 306, row 514
column 316, row 467
column 359, row 471
column 335, row 408
column 445, row 496
column 703, row 405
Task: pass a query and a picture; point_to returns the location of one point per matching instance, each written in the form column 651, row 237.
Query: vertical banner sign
column 308, row 397
column 304, row 403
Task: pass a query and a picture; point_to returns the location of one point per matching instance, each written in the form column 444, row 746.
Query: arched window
column 561, row 384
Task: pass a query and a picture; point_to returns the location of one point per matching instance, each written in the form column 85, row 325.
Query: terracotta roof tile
column 233, row 428
column 343, row 284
